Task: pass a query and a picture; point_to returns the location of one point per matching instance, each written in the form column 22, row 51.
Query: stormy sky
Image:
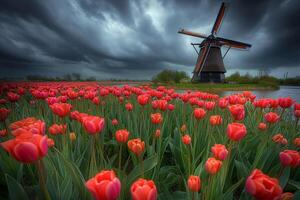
column 135, row 39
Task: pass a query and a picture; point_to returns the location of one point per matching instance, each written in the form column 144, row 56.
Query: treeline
column 262, row 79
column 170, row 76
column 73, row 77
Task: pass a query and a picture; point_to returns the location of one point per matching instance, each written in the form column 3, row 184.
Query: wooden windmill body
column 210, row 66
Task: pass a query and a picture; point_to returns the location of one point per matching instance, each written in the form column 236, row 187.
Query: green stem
column 42, row 179
column 120, row 156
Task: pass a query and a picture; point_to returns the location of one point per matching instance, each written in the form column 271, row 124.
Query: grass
column 216, row 87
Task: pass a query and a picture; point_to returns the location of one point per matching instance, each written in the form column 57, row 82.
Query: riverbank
column 217, row 87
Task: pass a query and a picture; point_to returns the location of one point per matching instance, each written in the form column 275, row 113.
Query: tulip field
column 87, row 140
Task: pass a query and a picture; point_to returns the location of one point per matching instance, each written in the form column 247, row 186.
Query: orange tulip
column 212, row 165
column 215, row 120
column 122, row 135
column 137, row 146
column 143, row 189
column 220, row 152
column 156, row 118
column 194, row 183
column 186, row 139
column 104, row 186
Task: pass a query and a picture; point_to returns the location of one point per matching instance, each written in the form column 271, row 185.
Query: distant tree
column 76, row 76
column 167, row 76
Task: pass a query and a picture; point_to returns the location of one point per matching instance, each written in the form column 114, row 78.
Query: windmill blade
column 202, row 58
column 234, row 44
column 219, row 18
column 199, row 35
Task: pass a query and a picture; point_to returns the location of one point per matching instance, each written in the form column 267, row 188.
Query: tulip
column 114, row 122
column 263, row 187
column 220, row 152
column 27, row 147
column 157, row 133
column 129, row 106
column 93, row 124
column 156, row 118
column 50, row 142
column 3, row 133
column 104, row 186
column 297, row 114
column 143, row 99
column 183, row 128
column 122, row 135
column 29, row 124
column 186, row 139
column 287, row 196
column 72, row 136
column 215, row 120
column 171, row 107
column 212, row 165
column 194, row 183
column 262, row 126
column 199, row 113
column 61, row 109
column 290, row 158
column 296, row 142
column 223, row 103
column 279, row 138
column 236, row 131
column 272, row 117
column 13, row 97
column 4, row 114
column 57, row 129
column 209, row 105
column 143, row 189
column 137, row 146
column 237, row 111
column 285, row 102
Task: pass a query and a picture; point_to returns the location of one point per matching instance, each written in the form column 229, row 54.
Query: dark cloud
column 136, row 39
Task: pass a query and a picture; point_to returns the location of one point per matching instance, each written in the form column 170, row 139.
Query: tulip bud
column 72, row 136
column 186, row 139
column 194, row 183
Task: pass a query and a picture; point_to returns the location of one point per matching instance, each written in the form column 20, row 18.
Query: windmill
column 209, row 66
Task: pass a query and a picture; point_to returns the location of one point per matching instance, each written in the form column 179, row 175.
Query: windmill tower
column 210, row 66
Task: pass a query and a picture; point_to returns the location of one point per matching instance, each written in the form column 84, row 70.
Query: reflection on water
column 284, row 91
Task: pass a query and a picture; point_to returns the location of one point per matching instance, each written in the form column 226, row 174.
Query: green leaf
column 295, row 184
column 284, row 178
column 16, row 191
column 229, row 193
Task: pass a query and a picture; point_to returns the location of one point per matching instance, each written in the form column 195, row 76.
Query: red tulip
column 61, row 109
column 220, row 152
column 279, row 138
column 93, row 124
column 223, row 103
column 262, row 126
column 157, row 133
column 13, row 97
column 263, row 187
column 236, row 131
column 212, row 165
column 285, row 102
column 290, row 158
column 297, row 106
column 114, row 122
column 137, row 146
column 143, row 99
column 194, row 183
column 122, row 135
column 57, row 129
column 272, row 117
column 29, row 124
column 4, row 113
column 297, row 142
column 171, row 107
column 209, row 105
column 237, row 111
column 143, row 189
column 297, row 113
column 3, row 133
column 96, row 100
column 215, row 120
column 156, row 118
column 186, row 139
column 287, row 196
column 129, row 106
column 199, row 113
column 27, row 147
column 50, row 142
column 104, row 186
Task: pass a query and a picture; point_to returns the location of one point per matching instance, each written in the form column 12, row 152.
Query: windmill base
column 209, row 77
